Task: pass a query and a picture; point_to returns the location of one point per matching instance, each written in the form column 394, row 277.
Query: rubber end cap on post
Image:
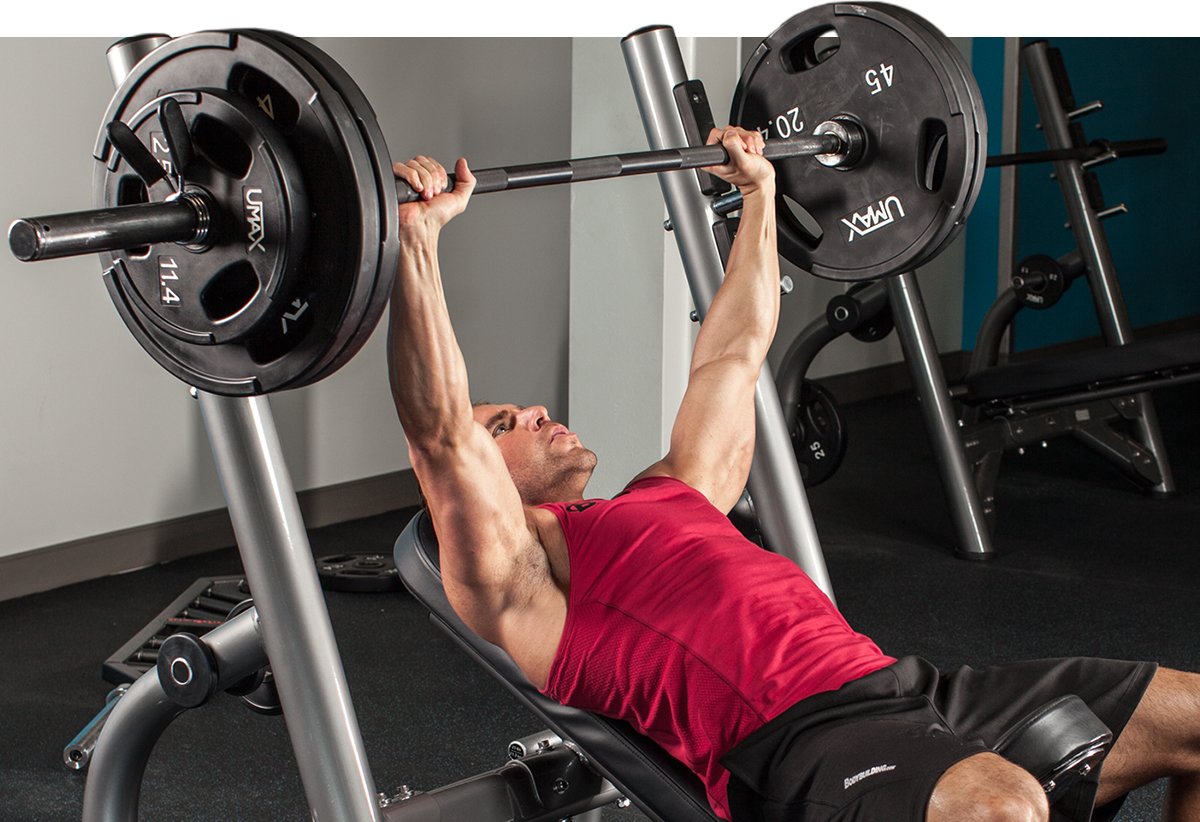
column 23, row 240
column 646, row 30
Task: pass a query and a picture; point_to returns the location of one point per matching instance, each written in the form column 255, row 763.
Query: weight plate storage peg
column 895, row 76
column 303, row 245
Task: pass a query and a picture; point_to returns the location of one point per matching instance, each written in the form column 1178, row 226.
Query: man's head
column 546, row 461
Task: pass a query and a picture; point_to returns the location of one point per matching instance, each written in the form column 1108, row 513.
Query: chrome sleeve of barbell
column 78, row 752
column 106, row 229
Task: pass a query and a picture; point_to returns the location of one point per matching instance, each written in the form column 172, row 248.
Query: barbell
column 246, row 212
column 185, row 218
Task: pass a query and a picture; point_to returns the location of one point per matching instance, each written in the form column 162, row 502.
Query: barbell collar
column 623, row 165
column 184, row 219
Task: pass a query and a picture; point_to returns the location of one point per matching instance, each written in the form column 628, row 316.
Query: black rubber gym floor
column 1087, row 565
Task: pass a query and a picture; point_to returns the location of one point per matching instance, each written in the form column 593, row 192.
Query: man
column 651, row 607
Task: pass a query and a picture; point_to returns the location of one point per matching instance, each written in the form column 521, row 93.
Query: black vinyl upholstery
column 661, row 787
column 1063, row 373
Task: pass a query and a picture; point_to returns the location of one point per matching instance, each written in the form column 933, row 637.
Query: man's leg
column 1161, row 739
column 987, row 788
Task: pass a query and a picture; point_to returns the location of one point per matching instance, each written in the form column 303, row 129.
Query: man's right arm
column 476, row 509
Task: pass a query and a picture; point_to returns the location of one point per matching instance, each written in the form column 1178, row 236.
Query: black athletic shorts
column 874, row 749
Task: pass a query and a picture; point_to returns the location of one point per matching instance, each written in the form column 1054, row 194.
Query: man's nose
column 535, row 416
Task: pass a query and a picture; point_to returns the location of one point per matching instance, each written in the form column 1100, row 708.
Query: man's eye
column 499, row 429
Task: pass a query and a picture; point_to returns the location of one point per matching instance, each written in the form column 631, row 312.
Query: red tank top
column 679, row 625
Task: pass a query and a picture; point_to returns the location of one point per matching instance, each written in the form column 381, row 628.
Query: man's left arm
column 712, row 441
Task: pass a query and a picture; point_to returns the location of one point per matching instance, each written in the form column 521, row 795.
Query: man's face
column 546, row 461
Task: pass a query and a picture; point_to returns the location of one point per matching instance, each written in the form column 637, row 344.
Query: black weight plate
column 257, row 235
column 970, row 100
column 358, row 573
column 348, row 246
column 818, row 434
column 374, row 286
column 877, row 218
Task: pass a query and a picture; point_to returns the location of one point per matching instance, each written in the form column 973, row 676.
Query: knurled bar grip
column 624, row 165
column 106, row 229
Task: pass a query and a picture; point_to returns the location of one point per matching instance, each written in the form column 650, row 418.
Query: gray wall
column 96, row 438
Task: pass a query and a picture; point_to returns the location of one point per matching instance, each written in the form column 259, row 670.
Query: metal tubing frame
column 140, row 716
column 294, row 636
column 929, row 384
column 812, row 339
column 297, row 634
column 656, row 67
column 1093, row 244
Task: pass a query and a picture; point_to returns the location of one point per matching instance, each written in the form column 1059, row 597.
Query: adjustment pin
column 179, row 140
column 135, row 153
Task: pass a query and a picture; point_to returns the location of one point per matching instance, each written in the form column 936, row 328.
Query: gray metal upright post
column 1089, row 235
column 929, row 383
column 655, row 68
column 278, row 561
column 296, row 631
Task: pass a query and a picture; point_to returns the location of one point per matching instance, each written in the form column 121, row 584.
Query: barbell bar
column 1091, row 152
column 186, row 218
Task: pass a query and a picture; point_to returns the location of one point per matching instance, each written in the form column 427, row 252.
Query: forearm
column 744, row 313
column 426, row 367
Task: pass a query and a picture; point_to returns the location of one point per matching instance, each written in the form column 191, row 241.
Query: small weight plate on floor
column 911, row 192
column 358, row 573
column 818, row 433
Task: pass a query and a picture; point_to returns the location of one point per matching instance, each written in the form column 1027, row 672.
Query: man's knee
column 987, row 788
column 1166, row 724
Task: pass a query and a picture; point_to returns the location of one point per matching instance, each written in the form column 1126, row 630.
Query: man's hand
column 747, row 168
column 436, row 206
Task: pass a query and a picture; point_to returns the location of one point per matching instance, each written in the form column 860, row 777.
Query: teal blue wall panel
column 1145, row 86
column 983, row 226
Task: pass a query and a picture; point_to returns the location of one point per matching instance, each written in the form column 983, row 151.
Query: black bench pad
column 1065, row 373
column 661, row 786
